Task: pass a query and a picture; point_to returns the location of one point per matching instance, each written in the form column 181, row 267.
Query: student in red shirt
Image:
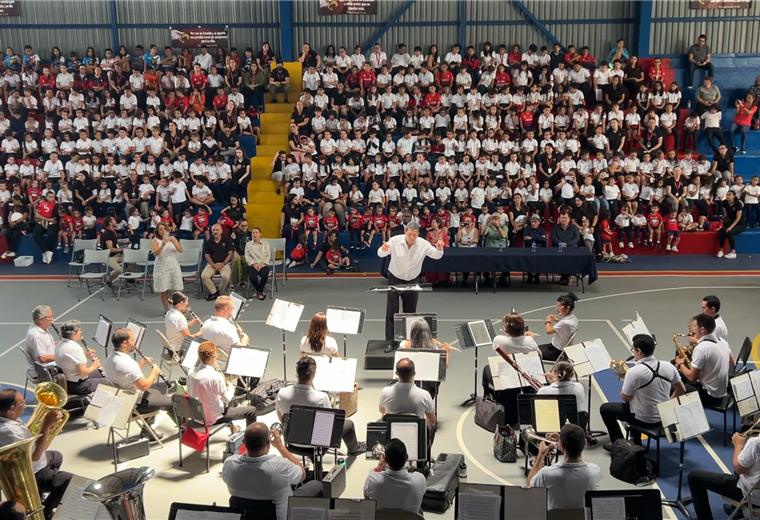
column 356, row 224
column 444, row 78
column 331, row 222
column 526, row 118
column 502, row 77
column 378, row 224
column 515, row 57
column 674, row 233
column 571, row 56
column 220, row 100
column 654, row 224
column 46, row 80
column 586, row 59
column 353, row 81
column 200, row 222
column 78, row 222
column 367, row 78
column 197, row 77
column 656, row 73
column 299, row 253
column 335, row 258
column 311, row 225
column 65, row 233
column 605, row 231
column 433, row 99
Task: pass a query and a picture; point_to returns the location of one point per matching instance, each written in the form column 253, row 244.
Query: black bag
column 264, row 395
column 629, row 462
column 488, row 413
column 442, row 484
column 505, row 444
column 79, row 256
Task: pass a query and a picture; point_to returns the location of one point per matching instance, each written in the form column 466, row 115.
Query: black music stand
column 567, row 410
column 472, row 335
column 638, row 503
column 103, row 332
column 306, row 427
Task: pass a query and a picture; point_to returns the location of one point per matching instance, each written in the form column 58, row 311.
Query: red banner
column 333, row 7
column 189, row 37
column 9, row 8
column 719, row 4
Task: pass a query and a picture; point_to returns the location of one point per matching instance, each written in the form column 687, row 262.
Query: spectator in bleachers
column 279, row 81
column 700, row 58
column 745, row 112
column 707, row 95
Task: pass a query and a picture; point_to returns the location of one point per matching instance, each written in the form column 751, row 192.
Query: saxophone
column 685, row 352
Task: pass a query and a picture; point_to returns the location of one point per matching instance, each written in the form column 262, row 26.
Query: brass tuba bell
column 17, row 476
column 50, row 396
column 620, row 367
column 121, row 493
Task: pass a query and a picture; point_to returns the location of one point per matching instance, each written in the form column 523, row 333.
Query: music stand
column 683, row 418
column 478, row 501
column 248, row 362
column 305, row 508
column 345, row 320
column 239, row 304
column 412, row 431
column 188, row 352
column 467, row 340
column 74, row 507
column 284, row 315
column 180, row 511
column 318, row 428
column 103, row 332
column 138, row 330
column 335, row 374
column 634, row 328
column 588, row 358
column 746, row 391
column 399, row 289
column 113, row 408
column 624, row 503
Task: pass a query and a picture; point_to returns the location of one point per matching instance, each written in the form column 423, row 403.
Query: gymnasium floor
column 665, row 303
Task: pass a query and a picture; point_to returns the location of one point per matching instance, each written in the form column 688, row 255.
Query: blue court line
column 696, row 456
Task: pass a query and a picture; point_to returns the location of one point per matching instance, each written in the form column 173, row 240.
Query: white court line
column 15, row 345
column 469, row 456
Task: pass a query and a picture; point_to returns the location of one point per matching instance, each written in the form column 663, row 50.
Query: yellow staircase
column 264, row 205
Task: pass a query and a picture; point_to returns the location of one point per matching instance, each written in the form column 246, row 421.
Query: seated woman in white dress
column 318, row 340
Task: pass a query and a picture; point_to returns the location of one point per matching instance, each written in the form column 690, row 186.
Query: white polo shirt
column 657, row 390
column 567, row 388
column 515, row 345
column 301, row 395
column 68, row 356
column 221, row 332
column 123, row 371
column 209, row 386
column 396, row 489
column 712, row 356
column 175, row 322
column 721, row 329
column 566, row 483
column 750, row 459
column 268, row 477
column 406, row 398
column 15, row 431
column 329, row 346
column 39, row 343
column 563, row 331
column 406, row 262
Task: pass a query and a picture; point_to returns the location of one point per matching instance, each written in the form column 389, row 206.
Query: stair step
column 260, row 161
column 261, row 185
column 279, row 108
column 263, row 197
column 268, row 150
column 280, row 139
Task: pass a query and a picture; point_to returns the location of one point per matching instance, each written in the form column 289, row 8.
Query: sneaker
column 245, row 201
column 658, row 245
column 620, row 245
column 735, row 148
column 5, row 255
column 667, row 247
column 330, row 271
column 66, row 248
column 362, row 449
column 9, row 254
column 47, row 257
column 742, row 152
column 135, row 246
column 59, row 246
column 630, row 245
column 731, row 256
column 674, row 249
column 720, row 254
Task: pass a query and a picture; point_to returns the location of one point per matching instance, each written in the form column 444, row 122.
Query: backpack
column 629, row 464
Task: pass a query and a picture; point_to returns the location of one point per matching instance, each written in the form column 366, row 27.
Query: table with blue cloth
column 575, row 261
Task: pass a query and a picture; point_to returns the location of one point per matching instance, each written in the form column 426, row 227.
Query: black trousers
column 53, row 481
column 52, row 237
column 707, row 399
column 506, row 398
column 409, row 299
column 701, row 481
column 87, row 385
column 258, row 278
column 549, row 352
column 234, row 413
column 612, row 413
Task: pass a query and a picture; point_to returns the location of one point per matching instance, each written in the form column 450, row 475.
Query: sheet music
column 407, row 288
column 345, row 514
column 74, row 507
column 323, row 426
column 472, row 506
column 608, row 508
column 407, row 433
column 748, row 406
column 307, row 513
column 249, row 362
column 531, row 362
column 547, row 415
column 634, row 328
column 597, row 355
column 522, row 503
column 426, row 364
column 284, row 315
column 479, row 332
column 101, row 333
column 576, row 354
column 335, row 374
column 191, row 355
column 341, row 321
column 755, row 376
column 691, row 420
column 504, row 376
column 742, row 388
column 99, row 398
column 237, row 304
column 109, row 411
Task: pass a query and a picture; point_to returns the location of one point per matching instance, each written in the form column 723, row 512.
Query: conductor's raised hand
column 385, row 246
column 439, row 245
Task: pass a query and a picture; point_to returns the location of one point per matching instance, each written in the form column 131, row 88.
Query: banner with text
column 331, row 7
column 9, row 8
column 720, row 4
column 189, row 37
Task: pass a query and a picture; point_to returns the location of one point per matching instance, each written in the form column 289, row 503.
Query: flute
column 169, row 384
column 87, row 352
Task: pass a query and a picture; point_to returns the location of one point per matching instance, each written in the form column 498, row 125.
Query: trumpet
column 378, row 450
column 276, row 427
column 620, row 368
column 528, row 376
column 50, row 396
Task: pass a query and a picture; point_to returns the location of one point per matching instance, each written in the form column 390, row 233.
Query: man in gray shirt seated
column 391, row 485
column 699, row 58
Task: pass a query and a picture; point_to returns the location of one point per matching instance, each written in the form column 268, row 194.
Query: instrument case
column 442, row 484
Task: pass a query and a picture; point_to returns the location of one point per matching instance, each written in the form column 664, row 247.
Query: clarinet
column 193, row 316
column 55, row 328
column 169, row 384
column 239, row 329
column 86, row 352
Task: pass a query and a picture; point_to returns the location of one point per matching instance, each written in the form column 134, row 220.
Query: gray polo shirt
column 566, row 483
column 699, row 52
column 406, row 398
column 396, row 489
column 657, row 390
column 301, row 395
column 708, row 94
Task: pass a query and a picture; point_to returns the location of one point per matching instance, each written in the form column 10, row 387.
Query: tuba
column 121, row 493
column 17, row 476
column 50, row 396
column 620, row 367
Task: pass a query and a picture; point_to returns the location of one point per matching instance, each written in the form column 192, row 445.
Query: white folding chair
column 187, row 260
column 745, row 504
column 169, row 357
column 94, row 258
column 134, row 257
column 278, row 245
column 188, row 245
column 146, row 244
column 79, row 245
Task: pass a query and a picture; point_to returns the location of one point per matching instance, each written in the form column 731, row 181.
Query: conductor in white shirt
column 407, row 255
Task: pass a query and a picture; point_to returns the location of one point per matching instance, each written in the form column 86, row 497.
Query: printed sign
column 189, row 37
column 719, row 4
column 9, row 8
column 331, row 7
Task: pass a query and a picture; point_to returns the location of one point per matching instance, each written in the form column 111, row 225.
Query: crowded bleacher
column 481, row 147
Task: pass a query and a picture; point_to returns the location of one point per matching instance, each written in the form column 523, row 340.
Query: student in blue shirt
column 31, row 60
column 12, row 61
